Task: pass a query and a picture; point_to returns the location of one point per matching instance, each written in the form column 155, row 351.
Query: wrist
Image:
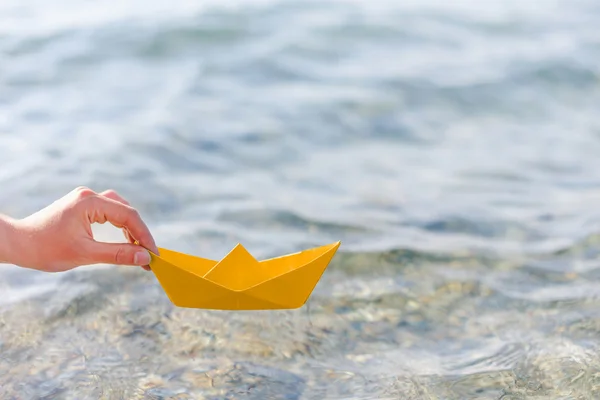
column 8, row 240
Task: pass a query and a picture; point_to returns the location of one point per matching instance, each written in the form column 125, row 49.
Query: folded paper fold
column 239, row 281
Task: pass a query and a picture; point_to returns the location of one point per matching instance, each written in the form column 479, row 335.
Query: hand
column 59, row 237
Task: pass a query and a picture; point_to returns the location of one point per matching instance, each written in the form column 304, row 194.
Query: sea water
column 454, row 149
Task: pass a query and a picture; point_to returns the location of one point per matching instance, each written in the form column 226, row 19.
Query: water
column 452, row 148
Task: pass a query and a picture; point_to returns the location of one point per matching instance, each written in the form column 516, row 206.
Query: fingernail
column 142, row 257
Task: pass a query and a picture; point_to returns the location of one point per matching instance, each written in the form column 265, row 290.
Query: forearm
column 7, row 239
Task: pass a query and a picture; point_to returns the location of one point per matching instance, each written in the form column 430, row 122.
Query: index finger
column 122, row 216
column 111, row 194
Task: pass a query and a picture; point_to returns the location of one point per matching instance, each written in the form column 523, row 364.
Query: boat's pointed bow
column 336, row 245
column 293, row 288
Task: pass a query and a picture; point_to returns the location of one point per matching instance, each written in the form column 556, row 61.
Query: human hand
column 59, row 237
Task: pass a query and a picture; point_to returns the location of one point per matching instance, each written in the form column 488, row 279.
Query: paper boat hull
column 285, row 282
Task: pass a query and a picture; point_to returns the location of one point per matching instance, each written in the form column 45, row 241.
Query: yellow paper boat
column 239, row 281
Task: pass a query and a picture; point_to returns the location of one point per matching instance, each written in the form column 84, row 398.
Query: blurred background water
column 452, row 147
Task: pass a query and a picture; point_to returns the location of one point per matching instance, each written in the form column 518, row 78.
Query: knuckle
column 133, row 213
column 121, row 256
column 84, row 192
column 112, row 193
column 79, row 189
column 109, row 193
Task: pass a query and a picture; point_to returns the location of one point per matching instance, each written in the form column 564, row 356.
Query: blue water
column 453, row 148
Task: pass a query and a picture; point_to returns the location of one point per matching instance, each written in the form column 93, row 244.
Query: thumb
column 119, row 254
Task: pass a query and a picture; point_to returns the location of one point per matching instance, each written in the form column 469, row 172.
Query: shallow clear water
column 452, row 148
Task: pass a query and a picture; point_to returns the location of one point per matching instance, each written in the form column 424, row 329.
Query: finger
column 131, row 240
column 117, row 253
column 112, row 194
column 123, row 216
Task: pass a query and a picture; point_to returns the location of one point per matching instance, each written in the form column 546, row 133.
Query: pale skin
column 59, row 237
